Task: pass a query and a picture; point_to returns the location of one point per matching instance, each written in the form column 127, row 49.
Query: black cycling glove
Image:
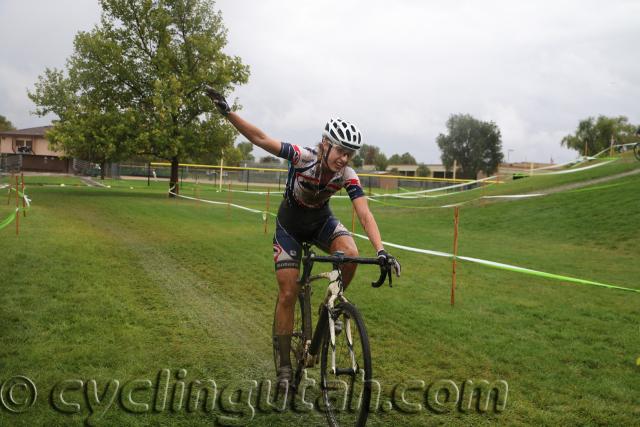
column 218, row 100
column 390, row 261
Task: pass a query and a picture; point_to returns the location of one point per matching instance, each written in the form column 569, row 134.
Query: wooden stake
column 455, row 254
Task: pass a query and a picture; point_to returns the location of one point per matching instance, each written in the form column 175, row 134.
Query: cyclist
column 315, row 174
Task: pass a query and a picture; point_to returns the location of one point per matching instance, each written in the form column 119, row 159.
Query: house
column 435, row 170
column 403, row 170
column 29, row 150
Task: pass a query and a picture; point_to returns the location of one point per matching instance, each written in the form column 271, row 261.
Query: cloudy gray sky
column 397, row 69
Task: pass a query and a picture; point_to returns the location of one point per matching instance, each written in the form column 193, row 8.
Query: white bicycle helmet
column 343, row 134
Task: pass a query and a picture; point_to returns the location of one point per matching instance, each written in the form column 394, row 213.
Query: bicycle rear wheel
column 346, row 393
column 636, row 150
column 297, row 341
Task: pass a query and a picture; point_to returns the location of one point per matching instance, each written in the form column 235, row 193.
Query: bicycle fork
column 327, row 315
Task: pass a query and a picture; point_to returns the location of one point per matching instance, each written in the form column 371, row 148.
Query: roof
column 411, row 168
column 37, row 131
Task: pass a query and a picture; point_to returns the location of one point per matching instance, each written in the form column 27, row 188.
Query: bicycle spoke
column 346, row 371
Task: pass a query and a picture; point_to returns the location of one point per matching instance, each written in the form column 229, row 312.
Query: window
column 24, row 146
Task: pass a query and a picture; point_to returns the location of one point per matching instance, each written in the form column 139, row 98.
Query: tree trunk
column 103, row 166
column 173, row 182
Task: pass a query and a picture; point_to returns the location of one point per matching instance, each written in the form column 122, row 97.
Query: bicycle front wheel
column 346, row 372
column 636, row 150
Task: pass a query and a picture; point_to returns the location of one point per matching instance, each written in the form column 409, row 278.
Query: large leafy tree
column 371, row 155
column 134, row 84
column 380, row 161
column 368, row 153
column 474, row 144
column 404, row 159
column 5, row 124
column 594, row 135
column 423, row 170
column 246, row 148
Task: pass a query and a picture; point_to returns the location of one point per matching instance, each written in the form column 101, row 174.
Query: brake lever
column 381, row 279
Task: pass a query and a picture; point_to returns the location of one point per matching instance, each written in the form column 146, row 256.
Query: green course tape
column 25, row 198
column 8, row 220
column 545, row 275
column 493, row 264
column 507, row 267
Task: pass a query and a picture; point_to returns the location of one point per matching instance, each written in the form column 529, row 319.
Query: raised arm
column 251, row 132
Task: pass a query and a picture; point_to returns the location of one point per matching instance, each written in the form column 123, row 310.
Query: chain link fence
column 260, row 176
column 10, row 163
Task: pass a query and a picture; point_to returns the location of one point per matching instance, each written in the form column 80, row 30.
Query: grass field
column 123, row 283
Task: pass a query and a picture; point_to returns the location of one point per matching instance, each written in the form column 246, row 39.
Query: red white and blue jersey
column 303, row 183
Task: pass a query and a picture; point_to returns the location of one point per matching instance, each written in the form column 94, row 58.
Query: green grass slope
column 123, row 283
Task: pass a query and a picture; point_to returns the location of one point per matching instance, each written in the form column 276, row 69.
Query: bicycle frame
column 335, row 293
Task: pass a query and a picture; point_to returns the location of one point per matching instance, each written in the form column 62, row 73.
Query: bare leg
column 287, row 282
column 348, row 246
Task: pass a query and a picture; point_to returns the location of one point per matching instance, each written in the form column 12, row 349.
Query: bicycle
column 343, row 350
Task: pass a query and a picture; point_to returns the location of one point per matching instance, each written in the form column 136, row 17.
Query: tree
column 5, row 124
column 357, row 161
column 369, row 153
column 474, row 144
column 380, row 161
column 246, row 148
column 592, row 136
column 134, row 84
column 395, row 159
column 423, row 170
column 270, row 159
column 233, row 156
column 405, row 159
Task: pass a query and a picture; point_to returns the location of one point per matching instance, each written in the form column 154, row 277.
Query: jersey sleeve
column 294, row 153
column 352, row 184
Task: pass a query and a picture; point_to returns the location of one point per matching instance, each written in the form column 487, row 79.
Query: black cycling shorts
column 296, row 225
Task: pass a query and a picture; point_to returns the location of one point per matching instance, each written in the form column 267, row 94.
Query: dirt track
column 588, row 183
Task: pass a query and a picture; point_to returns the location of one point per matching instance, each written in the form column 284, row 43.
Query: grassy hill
column 123, row 283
